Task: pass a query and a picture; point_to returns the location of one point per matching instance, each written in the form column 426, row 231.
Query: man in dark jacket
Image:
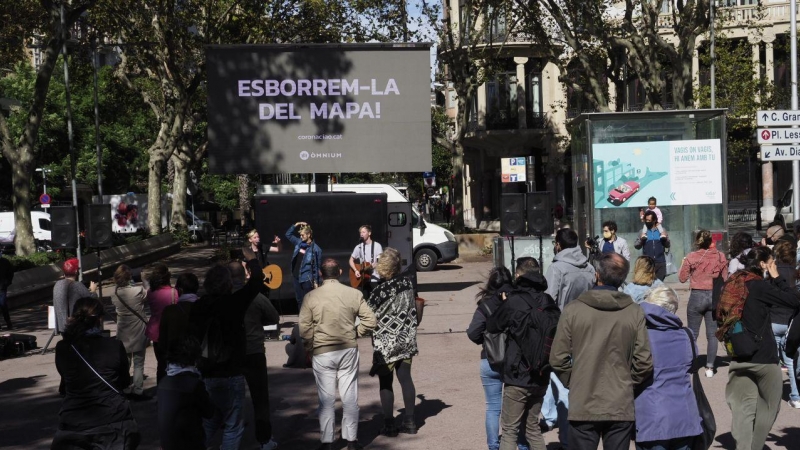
column 522, row 391
column 654, row 243
column 601, row 352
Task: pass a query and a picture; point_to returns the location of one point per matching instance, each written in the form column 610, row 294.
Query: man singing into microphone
column 366, row 252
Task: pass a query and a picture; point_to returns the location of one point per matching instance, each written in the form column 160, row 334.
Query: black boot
column 389, row 428
column 409, row 426
column 354, row 445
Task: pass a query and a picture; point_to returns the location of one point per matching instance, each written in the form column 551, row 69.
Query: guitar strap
column 372, row 254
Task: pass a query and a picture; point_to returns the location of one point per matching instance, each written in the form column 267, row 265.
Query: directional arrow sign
column 778, row 135
column 778, row 118
column 780, row 153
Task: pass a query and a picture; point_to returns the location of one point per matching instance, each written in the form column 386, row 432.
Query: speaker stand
column 99, row 277
column 513, row 258
column 541, row 263
column 49, row 340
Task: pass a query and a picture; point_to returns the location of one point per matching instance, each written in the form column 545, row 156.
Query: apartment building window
column 497, row 28
column 466, row 22
column 501, row 102
column 665, row 6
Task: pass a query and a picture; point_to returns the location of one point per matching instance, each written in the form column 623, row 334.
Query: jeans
column 493, row 391
column 334, row 369
column 672, row 444
column 227, row 396
column 753, row 394
column 700, row 307
column 517, row 401
column 137, row 360
column 300, row 291
column 779, row 331
column 556, row 407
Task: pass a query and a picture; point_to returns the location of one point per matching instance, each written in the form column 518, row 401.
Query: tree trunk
column 458, row 187
column 244, row 197
column 179, row 184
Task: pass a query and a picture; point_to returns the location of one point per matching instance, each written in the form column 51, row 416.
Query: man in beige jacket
column 327, row 326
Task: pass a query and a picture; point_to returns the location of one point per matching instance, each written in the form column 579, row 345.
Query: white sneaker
column 794, row 404
column 709, row 373
column 271, row 445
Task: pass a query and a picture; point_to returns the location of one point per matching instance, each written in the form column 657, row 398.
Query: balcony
column 738, row 16
column 499, row 37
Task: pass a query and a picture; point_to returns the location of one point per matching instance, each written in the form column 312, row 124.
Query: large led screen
column 319, row 108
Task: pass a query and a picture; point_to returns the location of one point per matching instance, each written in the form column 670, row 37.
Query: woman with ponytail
column 95, row 414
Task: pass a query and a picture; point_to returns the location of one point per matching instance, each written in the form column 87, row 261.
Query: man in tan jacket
column 327, row 326
column 601, row 352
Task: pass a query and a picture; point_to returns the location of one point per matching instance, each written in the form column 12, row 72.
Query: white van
column 41, row 228
column 432, row 244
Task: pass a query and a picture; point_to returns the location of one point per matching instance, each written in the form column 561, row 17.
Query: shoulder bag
column 709, row 424
column 494, row 344
column 128, row 306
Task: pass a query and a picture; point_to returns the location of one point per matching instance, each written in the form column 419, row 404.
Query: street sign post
column 778, row 135
column 780, row 153
column 778, row 118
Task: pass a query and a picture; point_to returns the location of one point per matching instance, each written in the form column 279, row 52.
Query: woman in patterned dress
column 394, row 340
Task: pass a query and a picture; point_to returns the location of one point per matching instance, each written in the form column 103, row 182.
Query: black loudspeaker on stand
column 64, row 230
column 539, row 213
column 97, row 220
column 512, row 219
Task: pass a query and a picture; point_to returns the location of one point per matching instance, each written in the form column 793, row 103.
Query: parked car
column 623, row 192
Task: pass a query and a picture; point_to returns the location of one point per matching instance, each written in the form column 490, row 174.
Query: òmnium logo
column 304, row 155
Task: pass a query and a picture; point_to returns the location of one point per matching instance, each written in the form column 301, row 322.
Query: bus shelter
column 620, row 160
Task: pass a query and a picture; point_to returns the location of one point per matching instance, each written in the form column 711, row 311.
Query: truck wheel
column 425, row 260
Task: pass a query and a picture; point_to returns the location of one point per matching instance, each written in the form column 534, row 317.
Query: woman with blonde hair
column 394, row 340
column 644, row 278
column 700, row 268
column 129, row 300
column 665, row 407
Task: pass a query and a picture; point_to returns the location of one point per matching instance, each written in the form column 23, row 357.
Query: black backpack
column 538, row 332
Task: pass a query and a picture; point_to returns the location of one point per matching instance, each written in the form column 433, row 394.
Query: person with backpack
column 601, row 352
column 217, row 322
column 700, row 268
column 784, row 252
column 526, row 372
column 755, row 384
column 490, row 297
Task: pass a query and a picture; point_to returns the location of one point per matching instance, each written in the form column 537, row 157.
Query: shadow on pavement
column 446, row 287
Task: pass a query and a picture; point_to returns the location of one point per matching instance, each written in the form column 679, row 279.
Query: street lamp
column 44, row 171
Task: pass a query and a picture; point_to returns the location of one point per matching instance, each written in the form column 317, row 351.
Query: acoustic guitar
column 273, row 276
column 365, row 269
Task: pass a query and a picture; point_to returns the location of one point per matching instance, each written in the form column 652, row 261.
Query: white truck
column 432, row 244
column 41, row 230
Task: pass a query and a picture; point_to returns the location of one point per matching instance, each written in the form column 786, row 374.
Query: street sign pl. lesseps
column 780, row 152
column 778, row 118
column 778, row 135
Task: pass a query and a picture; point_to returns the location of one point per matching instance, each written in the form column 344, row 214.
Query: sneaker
column 325, row 446
column 545, row 427
column 271, row 445
column 794, row 404
column 354, row 445
column 709, row 373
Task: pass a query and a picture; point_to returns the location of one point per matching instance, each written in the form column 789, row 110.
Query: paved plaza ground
column 450, row 403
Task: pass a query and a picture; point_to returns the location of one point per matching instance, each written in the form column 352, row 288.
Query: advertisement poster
column 675, row 172
column 318, row 108
column 512, row 169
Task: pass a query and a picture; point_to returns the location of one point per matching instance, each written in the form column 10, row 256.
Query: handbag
column 670, row 268
column 708, row 423
column 495, row 345
column 741, row 342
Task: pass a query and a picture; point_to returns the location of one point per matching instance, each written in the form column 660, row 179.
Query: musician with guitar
column 253, row 250
column 363, row 260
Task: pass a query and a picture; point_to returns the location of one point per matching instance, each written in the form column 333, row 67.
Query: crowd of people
column 621, row 360
column 209, row 344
